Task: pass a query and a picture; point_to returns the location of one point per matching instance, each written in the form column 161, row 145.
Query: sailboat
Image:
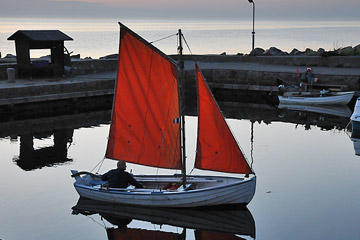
column 148, row 128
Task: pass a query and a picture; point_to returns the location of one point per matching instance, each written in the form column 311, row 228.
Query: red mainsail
column 217, row 148
column 144, row 127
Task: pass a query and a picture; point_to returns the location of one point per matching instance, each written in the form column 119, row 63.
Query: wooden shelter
column 40, row 39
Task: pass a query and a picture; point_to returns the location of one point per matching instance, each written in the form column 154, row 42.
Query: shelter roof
column 40, row 35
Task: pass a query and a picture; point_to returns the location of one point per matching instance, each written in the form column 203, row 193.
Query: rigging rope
column 101, row 162
column 164, row 38
column 187, row 45
column 346, row 129
column 103, row 225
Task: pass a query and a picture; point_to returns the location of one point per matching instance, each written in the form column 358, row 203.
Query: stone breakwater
column 230, row 77
column 250, row 70
column 273, row 51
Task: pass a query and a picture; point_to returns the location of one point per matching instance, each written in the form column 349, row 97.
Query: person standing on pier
column 309, row 77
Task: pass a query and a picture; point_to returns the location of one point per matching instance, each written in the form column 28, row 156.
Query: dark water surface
column 307, row 180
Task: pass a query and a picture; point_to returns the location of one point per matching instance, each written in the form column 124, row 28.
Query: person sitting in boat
column 119, row 178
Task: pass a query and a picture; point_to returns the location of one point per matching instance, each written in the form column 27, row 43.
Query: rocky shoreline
column 273, row 51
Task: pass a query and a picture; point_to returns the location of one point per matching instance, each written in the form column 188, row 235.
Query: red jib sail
column 144, row 127
column 217, row 148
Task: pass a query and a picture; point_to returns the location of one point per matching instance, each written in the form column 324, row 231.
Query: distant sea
column 99, row 37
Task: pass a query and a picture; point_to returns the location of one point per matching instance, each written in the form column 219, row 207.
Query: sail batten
column 217, row 149
column 143, row 130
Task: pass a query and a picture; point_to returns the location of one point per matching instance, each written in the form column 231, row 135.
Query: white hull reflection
column 232, row 220
column 339, row 110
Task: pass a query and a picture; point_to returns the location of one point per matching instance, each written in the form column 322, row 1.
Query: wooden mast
column 181, row 108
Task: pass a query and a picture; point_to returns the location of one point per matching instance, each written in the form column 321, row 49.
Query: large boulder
column 76, row 56
column 310, row 52
column 111, row 56
column 257, row 52
column 273, row 51
column 10, row 56
column 330, row 53
column 357, row 50
column 346, row 51
column 320, row 51
column 46, row 57
column 296, row 52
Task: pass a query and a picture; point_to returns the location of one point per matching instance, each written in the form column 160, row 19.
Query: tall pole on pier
column 253, row 30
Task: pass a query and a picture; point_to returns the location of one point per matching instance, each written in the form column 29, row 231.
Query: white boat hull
column 341, row 98
column 223, row 191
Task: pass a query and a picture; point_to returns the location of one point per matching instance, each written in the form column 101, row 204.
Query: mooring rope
column 101, row 225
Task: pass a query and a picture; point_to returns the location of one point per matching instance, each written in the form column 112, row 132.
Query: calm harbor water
column 99, row 37
column 307, row 178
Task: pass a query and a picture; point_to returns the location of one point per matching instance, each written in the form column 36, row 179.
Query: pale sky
column 182, row 9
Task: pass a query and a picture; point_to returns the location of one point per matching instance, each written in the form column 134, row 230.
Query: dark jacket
column 118, row 178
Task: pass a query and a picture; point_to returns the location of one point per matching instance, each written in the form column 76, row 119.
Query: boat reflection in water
column 336, row 110
column 233, row 222
column 325, row 118
column 355, row 138
column 355, row 127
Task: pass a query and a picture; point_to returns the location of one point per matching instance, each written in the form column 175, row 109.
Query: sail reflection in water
column 215, row 223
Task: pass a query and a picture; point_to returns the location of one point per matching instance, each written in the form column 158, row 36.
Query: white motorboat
column 335, row 98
